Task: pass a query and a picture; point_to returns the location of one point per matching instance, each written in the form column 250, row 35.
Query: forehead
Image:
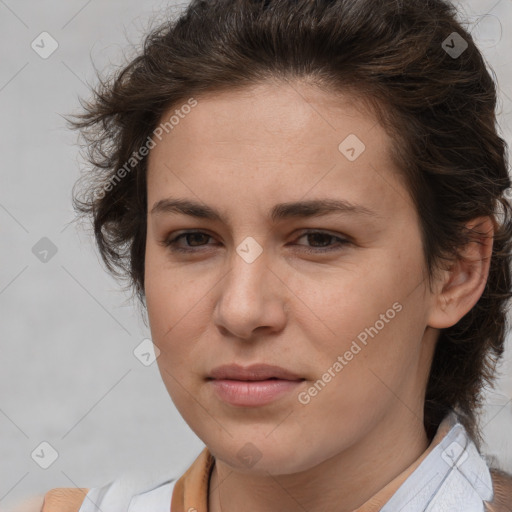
column 289, row 137
column 272, row 112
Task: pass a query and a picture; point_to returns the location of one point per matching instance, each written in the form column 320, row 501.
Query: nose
column 252, row 299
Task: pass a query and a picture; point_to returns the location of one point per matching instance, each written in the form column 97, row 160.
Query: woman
column 309, row 199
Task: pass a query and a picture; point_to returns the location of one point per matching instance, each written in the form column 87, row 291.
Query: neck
column 343, row 482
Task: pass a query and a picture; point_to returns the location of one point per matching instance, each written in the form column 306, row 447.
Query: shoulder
column 131, row 492
column 64, row 499
column 125, row 493
column 32, row 504
column 502, row 484
column 55, row 500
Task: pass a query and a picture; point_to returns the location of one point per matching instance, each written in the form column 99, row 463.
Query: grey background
column 68, row 375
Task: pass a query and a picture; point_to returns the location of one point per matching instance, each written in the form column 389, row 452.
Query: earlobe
column 461, row 286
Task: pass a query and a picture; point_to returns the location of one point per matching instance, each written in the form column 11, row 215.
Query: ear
column 459, row 287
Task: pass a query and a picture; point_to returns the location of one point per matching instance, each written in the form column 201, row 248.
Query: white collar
column 453, row 477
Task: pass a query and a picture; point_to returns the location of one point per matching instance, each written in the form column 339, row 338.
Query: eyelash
column 172, row 242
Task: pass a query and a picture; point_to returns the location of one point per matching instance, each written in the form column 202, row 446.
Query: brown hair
column 439, row 108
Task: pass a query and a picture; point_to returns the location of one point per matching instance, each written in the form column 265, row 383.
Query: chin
column 264, row 455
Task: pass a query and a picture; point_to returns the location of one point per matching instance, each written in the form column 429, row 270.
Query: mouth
column 254, row 372
column 252, row 386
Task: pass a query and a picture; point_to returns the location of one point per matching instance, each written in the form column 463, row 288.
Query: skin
column 242, row 152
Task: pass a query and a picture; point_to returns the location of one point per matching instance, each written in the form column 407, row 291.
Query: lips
column 255, row 372
column 252, row 386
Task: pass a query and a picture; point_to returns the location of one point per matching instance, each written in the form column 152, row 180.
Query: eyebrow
column 300, row 209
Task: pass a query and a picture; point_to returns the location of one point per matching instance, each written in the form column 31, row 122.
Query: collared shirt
column 450, row 476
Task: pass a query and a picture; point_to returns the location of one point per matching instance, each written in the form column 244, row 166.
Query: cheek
column 167, row 316
column 168, row 293
column 177, row 307
column 371, row 315
column 165, row 306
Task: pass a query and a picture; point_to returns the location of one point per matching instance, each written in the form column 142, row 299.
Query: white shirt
column 453, row 477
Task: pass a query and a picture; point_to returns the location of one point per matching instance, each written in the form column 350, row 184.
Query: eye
column 192, row 238
column 320, row 240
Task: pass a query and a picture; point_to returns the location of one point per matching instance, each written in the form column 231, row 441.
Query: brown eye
column 192, row 239
column 319, row 241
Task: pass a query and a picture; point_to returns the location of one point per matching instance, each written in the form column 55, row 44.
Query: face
column 265, row 270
